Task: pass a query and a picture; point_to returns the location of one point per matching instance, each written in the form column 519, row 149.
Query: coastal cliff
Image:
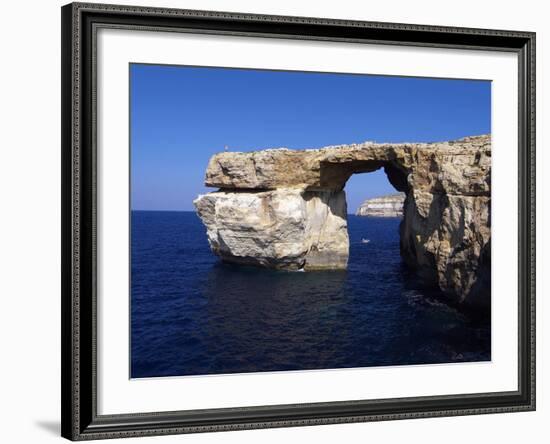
column 286, row 209
column 383, row 206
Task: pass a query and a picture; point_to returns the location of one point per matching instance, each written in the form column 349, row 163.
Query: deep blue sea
column 193, row 315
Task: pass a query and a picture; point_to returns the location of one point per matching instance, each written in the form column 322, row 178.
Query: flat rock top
column 467, row 160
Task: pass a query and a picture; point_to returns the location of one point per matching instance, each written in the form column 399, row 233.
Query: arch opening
column 334, row 175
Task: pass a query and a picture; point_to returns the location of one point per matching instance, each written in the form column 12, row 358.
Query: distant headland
column 384, row 206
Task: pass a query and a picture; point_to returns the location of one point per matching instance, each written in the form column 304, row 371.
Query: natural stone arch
column 286, row 209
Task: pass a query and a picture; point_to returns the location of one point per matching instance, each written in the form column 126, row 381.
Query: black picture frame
column 80, row 420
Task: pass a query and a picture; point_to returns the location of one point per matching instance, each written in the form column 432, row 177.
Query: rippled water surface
column 192, row 315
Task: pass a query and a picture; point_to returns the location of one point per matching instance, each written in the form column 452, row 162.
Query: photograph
column 266, row 222
column 285, row 221
column 279, row 218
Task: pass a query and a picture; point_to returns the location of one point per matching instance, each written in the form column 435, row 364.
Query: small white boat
column 365, row 241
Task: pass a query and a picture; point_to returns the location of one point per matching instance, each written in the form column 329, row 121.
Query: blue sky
column 180, row 116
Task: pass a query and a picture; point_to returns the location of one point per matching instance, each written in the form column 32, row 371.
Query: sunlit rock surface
column 287, row 228
column 286, row 208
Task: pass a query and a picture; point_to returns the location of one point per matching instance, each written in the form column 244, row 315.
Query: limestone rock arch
column 286, row 209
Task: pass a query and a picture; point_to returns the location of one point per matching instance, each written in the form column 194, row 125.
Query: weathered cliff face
column 383, row 206
column 285, row 209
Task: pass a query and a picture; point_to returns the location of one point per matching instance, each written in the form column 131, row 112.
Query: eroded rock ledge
column 286, row 209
